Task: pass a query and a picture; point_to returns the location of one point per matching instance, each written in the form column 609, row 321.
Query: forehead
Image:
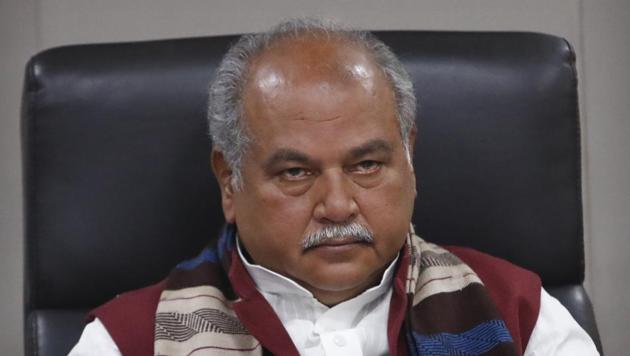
column 317, row 90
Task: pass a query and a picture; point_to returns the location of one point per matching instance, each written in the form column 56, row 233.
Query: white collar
column 270, row 282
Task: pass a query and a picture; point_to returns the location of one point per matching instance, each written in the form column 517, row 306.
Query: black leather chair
column 118, row 187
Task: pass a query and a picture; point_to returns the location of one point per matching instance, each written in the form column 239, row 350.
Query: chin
column 339, row 279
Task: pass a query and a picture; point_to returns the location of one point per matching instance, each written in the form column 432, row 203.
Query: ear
column 223, row 173
column 411, row 141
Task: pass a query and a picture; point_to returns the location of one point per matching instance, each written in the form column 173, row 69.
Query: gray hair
column 225, row 111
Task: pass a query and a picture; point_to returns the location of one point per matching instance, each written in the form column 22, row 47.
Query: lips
column 339, row 242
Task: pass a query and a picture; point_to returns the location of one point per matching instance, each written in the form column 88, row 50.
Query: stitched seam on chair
column 580, row 217
column 29, row 166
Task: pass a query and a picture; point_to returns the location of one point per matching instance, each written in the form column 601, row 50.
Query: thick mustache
column 356, row 231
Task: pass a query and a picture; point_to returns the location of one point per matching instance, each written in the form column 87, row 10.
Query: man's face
column 325, row 149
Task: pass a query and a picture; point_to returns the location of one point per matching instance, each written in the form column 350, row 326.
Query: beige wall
column 606, row 103
column 17, row 42
column 597, row 29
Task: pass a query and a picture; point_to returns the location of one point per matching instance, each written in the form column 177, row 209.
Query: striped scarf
column 210, row 307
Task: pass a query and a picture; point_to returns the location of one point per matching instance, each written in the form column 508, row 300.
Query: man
column 313, row 129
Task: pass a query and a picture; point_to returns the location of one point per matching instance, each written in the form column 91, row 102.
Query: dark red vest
column 130, row 317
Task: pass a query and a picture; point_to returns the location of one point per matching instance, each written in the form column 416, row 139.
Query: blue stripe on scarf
column 207, row 255
column 475, row 341
column 227, row 239
column 225, row 244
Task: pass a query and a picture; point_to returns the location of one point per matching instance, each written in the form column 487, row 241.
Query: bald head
column 332, row 58
column 312, row 67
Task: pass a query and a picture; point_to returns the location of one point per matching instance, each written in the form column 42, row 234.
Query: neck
column 330, row 298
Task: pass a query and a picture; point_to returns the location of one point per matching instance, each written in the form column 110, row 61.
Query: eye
column 367, row 167
column 295, row 173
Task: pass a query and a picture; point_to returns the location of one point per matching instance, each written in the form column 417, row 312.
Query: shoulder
column 557, row 333
column 514, row 290
column 499, row 274
column 129, row 305
column 130, row 317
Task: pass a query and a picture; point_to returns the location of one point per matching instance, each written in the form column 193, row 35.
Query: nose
column 336, row 199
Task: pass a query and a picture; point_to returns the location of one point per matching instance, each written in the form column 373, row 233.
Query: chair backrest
column 118, row 187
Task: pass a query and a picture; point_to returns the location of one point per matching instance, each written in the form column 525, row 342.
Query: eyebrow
column 291, row 155
column 286, row 155
column 372, row 146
